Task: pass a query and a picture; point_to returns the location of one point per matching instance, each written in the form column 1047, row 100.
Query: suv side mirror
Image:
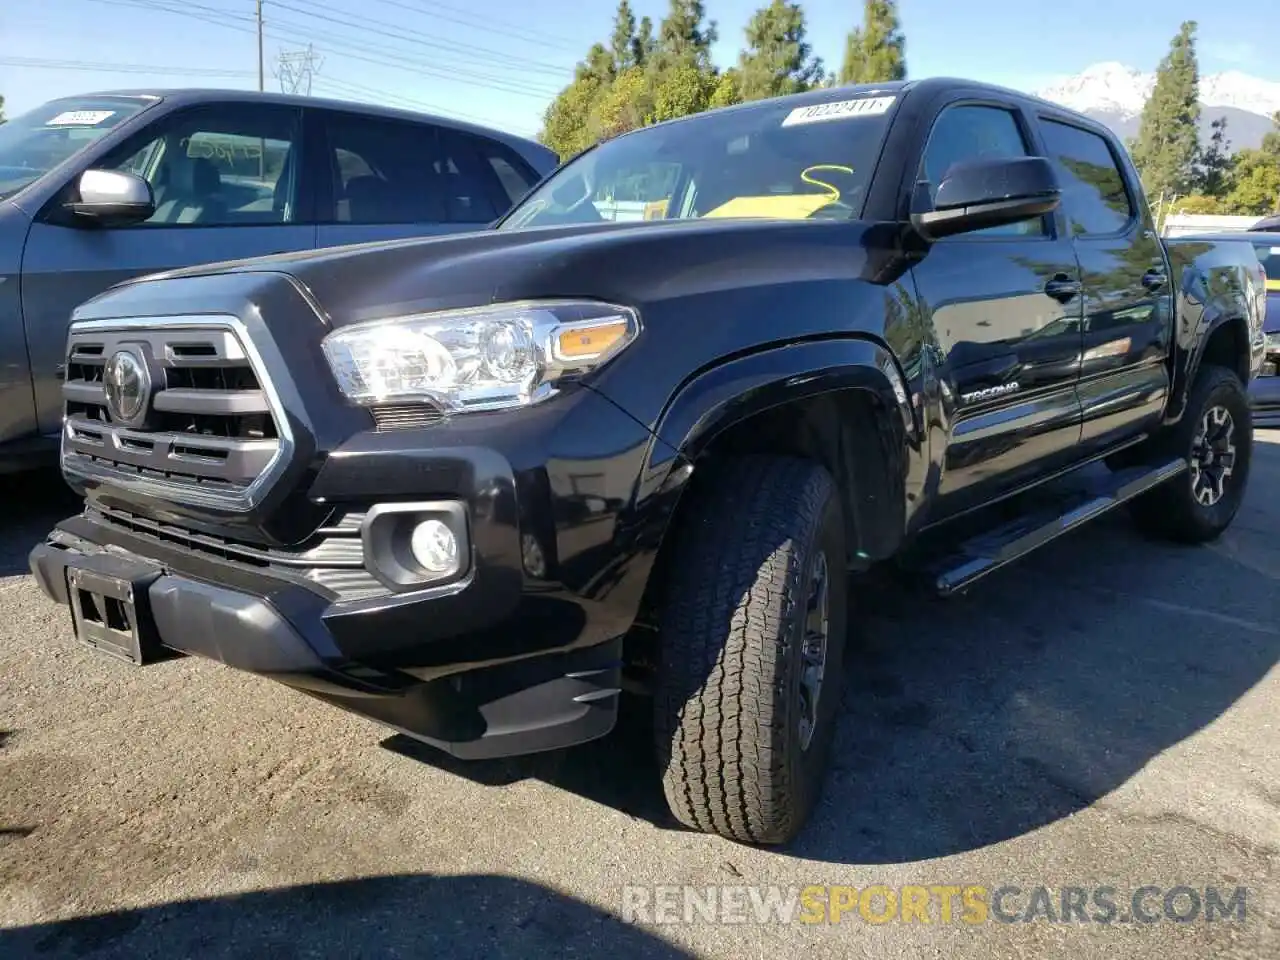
column 976, row 194
column 111, row 198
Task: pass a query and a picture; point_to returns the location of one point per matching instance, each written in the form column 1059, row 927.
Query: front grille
column 332, row 559
column 207, row 428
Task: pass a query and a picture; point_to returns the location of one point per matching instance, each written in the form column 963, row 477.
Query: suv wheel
column 752, row 630
column 1216, row 436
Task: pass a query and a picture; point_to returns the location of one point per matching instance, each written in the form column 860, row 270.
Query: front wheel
column 1215, row 435
column 752, row 633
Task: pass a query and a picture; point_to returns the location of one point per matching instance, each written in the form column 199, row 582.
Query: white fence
column 1181, row 224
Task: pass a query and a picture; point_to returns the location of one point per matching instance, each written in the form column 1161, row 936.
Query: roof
column 197, row 95
column 935, row 84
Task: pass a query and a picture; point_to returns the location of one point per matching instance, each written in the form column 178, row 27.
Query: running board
column 993, row 549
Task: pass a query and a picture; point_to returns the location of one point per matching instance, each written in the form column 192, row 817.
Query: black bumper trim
column 527, row 705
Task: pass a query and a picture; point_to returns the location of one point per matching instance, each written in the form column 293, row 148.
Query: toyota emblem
column 127, row 385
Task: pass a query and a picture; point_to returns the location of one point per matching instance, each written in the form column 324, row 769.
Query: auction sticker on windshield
column 839, row 110
column 80, row 118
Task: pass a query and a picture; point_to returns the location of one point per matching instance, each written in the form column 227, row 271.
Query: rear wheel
column 752, row 631
column 1215, row 435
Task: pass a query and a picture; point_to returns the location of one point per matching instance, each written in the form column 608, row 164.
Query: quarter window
column 1093, row 190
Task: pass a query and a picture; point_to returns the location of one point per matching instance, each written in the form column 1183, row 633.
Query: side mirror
column 112, row 198
column 977, row 194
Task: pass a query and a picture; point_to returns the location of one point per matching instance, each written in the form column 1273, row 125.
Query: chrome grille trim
column 227, row 473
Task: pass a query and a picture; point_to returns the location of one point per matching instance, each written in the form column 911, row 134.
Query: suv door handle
column 1154, row 279
column 1062, row 288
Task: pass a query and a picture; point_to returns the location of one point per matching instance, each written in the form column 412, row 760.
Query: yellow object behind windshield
column 798, row 206
column 786, row 207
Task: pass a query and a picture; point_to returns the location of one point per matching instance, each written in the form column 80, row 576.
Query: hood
column 625, row 263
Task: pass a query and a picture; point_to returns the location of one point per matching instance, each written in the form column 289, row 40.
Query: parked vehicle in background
column 474, row 487
column 1264, row 391
column 1269, row 224
column 100, row 188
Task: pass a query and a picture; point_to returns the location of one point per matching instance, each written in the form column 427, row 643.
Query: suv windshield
column 36, row 142
column 1269, row 256
column 773, row 161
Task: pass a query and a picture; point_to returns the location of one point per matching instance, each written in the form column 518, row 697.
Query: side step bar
column 993, row 549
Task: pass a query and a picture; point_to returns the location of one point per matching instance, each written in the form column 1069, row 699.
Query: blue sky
column 500, row 61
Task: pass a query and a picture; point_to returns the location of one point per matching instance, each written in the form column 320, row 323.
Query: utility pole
column 261, row 66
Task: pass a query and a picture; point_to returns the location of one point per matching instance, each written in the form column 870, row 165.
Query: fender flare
column 718, row 397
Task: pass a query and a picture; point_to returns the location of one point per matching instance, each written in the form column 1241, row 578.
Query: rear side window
column 1093, row 190
column 975, row 132
column 382, row 171
column 471, row 187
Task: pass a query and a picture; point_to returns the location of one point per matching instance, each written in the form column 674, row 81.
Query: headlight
column 486, row 358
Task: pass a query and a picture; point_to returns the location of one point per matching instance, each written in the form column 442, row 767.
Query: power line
column 36, row 63
column 523, row 33
column 399, row 32
column 296, row 33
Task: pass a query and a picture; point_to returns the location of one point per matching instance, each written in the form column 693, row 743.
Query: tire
column 736, row 757
column 1180, row 510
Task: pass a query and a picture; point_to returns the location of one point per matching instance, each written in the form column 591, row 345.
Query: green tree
column 876, row 51
column 1, row 109
column 686, row 35
column 778, row 59
column 1255, row 176
column 644, row 42
column 1168, row 143
column 680, row 91
column 728, row 90
column 1213, row 168
column 624, row 46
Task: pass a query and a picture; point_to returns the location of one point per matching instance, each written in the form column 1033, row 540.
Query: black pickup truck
column 649, row 431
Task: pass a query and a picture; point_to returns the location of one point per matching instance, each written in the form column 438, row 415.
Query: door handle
column 1154, row 279
column 1062, row 288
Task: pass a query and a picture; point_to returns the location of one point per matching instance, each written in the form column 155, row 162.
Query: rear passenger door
column 227, row 184
column 386, row 179
column 1006, row 316
column 1128, row 307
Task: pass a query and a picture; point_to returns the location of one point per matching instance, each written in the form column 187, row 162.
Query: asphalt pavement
column 1104, row 715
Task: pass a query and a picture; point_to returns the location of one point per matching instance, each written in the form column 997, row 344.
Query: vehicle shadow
column 415, row 915
column 32, row 503
column 978, row 719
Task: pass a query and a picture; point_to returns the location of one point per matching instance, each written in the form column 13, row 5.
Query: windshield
column 773, row 161
column 36, row 142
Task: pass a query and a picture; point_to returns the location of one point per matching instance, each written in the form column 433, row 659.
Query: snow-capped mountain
column 1115, row 94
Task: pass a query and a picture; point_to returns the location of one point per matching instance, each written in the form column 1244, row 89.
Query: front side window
column 233, row 165
column 974, row 132
column 1093, row 191
column 34, row 143
column 772, row 161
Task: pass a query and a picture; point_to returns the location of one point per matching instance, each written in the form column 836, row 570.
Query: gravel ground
column 1106, row 713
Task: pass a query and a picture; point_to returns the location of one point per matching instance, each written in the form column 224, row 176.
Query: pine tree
column 1213, row 167
column 875, row 52
column 778, row 60
column 1168, row 142
column 686, row 35
column 623, row 45
column 643, row 44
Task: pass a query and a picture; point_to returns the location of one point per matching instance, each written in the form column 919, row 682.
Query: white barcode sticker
column 80, row 118
column 839, row 110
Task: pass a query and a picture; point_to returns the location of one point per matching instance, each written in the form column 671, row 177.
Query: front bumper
column 277, row 629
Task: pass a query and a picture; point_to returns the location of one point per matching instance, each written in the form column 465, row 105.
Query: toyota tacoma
column 651, row 430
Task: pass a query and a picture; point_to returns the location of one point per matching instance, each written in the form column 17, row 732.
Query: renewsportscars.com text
column 970, row 904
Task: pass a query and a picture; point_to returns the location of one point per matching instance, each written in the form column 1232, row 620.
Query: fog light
column 435, row 547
